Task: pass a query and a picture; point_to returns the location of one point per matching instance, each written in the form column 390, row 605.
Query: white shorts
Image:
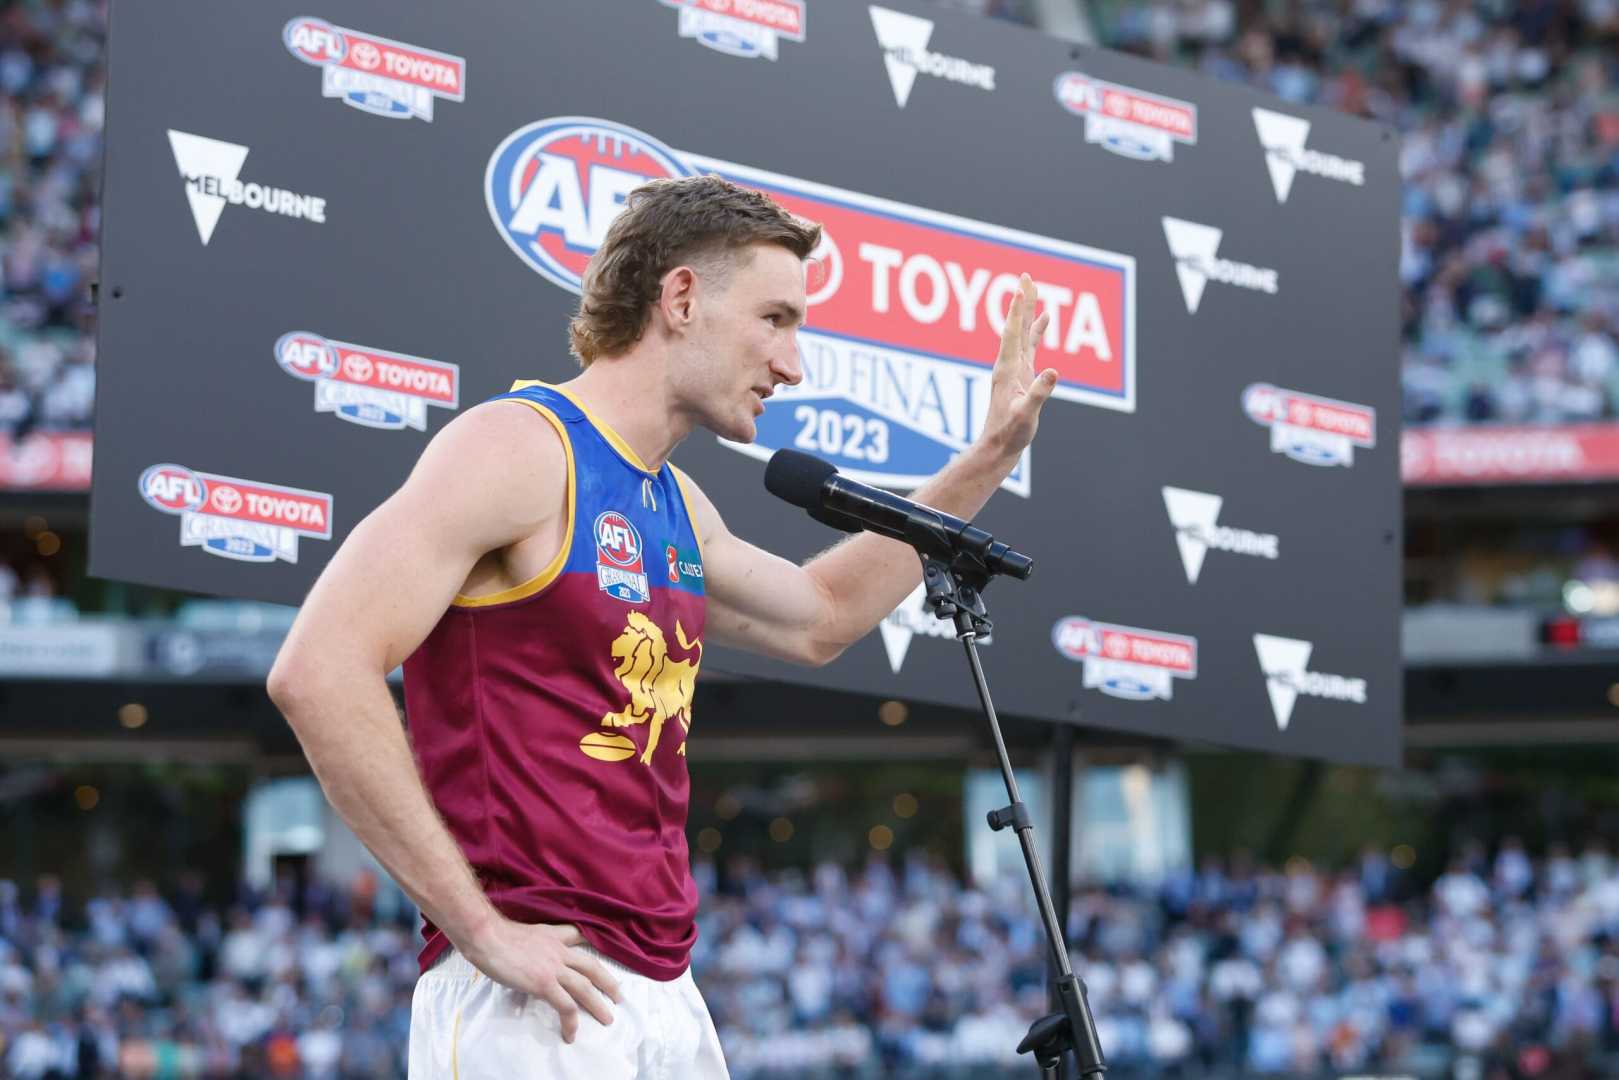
column 465, row 1026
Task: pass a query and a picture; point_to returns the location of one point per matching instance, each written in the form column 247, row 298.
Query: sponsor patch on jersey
column 682, row 564
column 375, row 74
column 245, row 520
column 1129, row 122
column 750, row 29
column 1308, row 428
column 906, row 304
column 620, row 567
column 368, row 386
column 1124, row 661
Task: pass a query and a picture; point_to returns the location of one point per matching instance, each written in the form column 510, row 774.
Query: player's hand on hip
column 1016, row 392
column 545, row 960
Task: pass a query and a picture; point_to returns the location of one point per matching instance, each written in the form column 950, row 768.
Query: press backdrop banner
column 330, row 228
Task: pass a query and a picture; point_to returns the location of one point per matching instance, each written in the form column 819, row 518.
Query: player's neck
column 629, row 395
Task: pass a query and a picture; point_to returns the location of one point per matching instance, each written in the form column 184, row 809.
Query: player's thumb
column 1044, row 383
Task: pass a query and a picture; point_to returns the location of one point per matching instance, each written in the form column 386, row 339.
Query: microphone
column 833, row 499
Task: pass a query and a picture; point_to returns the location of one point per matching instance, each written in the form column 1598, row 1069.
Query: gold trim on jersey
column 681, row 480
column 612, row 437
column 553, row 569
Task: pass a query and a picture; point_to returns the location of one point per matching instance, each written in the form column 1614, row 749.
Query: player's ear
column 675, row 298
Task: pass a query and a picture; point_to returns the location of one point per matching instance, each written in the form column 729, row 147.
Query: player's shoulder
column 705, row 517
column 499, row 452
column 504, row 423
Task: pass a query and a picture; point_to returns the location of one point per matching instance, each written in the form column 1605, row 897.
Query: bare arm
column 810, row 614
column 493, row 476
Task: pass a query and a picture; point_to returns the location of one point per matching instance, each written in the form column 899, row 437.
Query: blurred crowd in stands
column 52, row 109
column 1509, row 114
column 1505, row 966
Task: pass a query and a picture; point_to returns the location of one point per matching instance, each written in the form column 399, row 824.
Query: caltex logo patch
column 906, row 304
column 245, row 520
column 368, row 386
column 376, row 74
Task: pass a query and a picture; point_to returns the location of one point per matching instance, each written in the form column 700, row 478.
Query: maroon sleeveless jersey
column 549, row 721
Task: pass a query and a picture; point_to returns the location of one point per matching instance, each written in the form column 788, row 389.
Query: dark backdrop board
column 328, row 228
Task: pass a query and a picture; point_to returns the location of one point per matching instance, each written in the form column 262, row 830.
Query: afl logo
column 305, row 355
column 1072, row 637
column 554, row 186
column 173, row 489
column 315, row 41
column 617, row 540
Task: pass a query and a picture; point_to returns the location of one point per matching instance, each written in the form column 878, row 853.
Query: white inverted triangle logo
column 1194, row 515
column 1193, row 247
column 198, row 157
column 911, row 618
column 1283, row 138
column 897, row 630
column 901, row 37
column 1283, row 660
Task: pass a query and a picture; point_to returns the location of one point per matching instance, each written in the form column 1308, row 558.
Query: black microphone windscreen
column 797, row 477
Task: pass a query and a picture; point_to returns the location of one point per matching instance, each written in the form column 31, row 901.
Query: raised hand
column 1017, row 393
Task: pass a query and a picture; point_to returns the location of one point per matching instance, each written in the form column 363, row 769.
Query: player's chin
column 744, row 429
column 740, row 429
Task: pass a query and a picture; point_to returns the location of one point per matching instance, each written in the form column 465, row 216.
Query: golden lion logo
column 659, row 687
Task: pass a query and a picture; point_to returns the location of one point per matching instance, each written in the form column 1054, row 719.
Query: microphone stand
column 954, row 575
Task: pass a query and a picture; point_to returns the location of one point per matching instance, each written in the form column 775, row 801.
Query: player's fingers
column 1030, row 299
column 567, row 933
column 567, row 1009
column 585, row 994
column 596, row 971
column 1012, row 332
column 1040, row 390
column 1037, row 332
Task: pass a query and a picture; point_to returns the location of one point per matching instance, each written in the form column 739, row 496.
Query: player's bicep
column 489, row 479
column 756, row 600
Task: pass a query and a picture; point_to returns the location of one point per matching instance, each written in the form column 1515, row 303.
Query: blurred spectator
column 896, row 969
column 1510, row 162
column 52, row 106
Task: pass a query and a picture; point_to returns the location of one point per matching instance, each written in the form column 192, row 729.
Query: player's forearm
column 356, row 745
column 865, row 577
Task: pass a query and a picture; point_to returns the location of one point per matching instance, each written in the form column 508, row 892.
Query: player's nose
column 787, row 366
